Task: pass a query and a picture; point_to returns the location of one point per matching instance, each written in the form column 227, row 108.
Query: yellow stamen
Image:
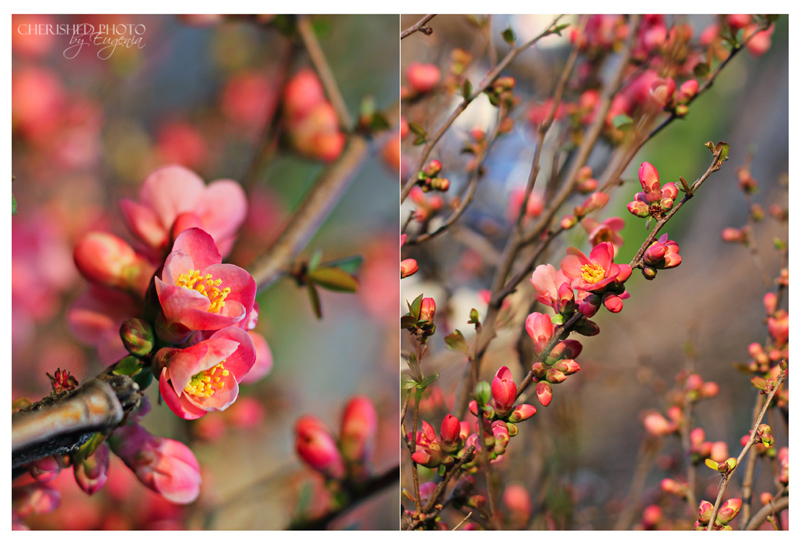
column 592, row 273
column 207, row 286
column 203, row 386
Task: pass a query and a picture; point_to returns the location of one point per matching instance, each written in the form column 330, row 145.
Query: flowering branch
column 726, row 476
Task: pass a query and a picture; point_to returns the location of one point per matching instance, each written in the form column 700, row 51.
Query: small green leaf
column 621, row 122
column 417, row 128
column 557, row 319
column 722, row 149
column 701, row 70
column 128, row 366
column 143, row 378
column 415, row 307
column 474, row 317
column 334, row 279
column 313, row 262
column 13, row 205
column 456, row 342
column 90, row 446
column 313, row 296
column 508, row 36
column 349, row 264
column 408, row 322
column 407, row 381
column 466, row 89
column 419, row 141
column 559, row 28
column 483, row 393
column 428, row 380
column 442, row 470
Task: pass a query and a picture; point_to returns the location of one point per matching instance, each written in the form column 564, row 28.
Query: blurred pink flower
column 174, row 198
column 96, row 316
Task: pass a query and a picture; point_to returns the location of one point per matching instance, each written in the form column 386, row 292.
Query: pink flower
column 662, row 91
column 534, row 208
column 551, row 286
column 605, row 231
column 263, row 363
column 504, row 391
column 359, row 427
column 450, row 431
column 166, row 466
column 594, row 273
column 422, row 77
column 427, row 309
column 540, row 328
column 205, row 377
column 197, row 291
column 174, row 198
column 317, row 448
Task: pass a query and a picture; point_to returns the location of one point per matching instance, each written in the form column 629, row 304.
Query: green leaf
column 474, row 317
column 90, row 446
column 407, row 322
column 428, row 380
column 143, row 378
column 407, row 381
column 621, row 122
column 313, row 296
column 417, row 129
column 508, row 36
column 559, row 28
column 334, row 279
column 128, row 366
column 722, row 148
column 557, row 320
column 701, row 70
column 415, row 307
column 456, row 342
column 483, row 393
column 466, row 89
column 13, row 205
column 420, row 141
column 313, row 262
column 349, row 264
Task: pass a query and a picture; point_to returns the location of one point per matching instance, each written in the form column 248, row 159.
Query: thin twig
column 419, row 26
column 770, row 509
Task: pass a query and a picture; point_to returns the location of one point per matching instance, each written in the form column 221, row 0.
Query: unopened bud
column 569, row 222
column 359, row 426
column 433, row 167
column 317, row 448
column 522, row 413
column 408, row 267
column 649, row 272
column 137, row 336
column 639, row 208
column 544, row 393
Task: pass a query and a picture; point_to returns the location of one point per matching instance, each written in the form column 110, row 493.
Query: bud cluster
column 654, row 200
column 428, row 178
column 728, row 510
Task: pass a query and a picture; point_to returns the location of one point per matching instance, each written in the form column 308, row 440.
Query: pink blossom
column 450, row 431
column 605, row 231
column 504, row 391
column 197, row 291
column 107, row 260
column 422, row 77
column 317, row 448
column 359, row 429
column 166, row 466
column 591, row 273
column 540, row 329
column 550, row 286
column 174, row 198
column 205, row 377
column 263, row 364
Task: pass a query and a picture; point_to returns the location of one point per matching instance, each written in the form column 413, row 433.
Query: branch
column 419, row 26
column 770, row 509
column 373, row 486
column 323, row 69
column 60, row 424
column 484, row 84
column 727, row 476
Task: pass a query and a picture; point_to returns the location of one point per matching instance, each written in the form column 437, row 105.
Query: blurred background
column 580, row 454
column 199, row 91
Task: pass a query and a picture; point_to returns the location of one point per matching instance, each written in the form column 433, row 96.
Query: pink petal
column 603, row 255
column 170, row 191
column 242, row 360
column 184, row 410
column 177, row 301
column 220, row 400
column 571, row 266
column 615, row 223
column 199, row 245
column 144, row 224
column 223, row 208
column 204, row 355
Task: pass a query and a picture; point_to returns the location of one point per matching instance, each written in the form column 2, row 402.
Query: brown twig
column 419, row 26
column 770, row 509
column 483, row 85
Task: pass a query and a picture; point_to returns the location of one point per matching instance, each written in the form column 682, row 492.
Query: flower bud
column 657, row 425
column 649, row 272
column 359, row 426
column 316, row 447
column 662, row 91
column 440, row 184
column 45, row 469
column 654, row 253
column 554, row 376
column 732, row 235
column 704, row 511
column 422, row 77
column 504, row 391
column 540, row 328
column 687, row 91
column 522, row 413
column 770, row 303
column 518, row 501
column 450, row 430
column 569, row 222
column 728, row 510
column 778, row 326
column 612, row 302
column 651, row 516
column 544, row 393
column 427, row 309
column 596, row 201
column 567, row 366
column 483, row 392
column 587, row 328
column 669, row 191
column 106, row 259
column 648, row 178
column 91, row 472
column 639, row 208
column 590, row 305
column 137, row 336
column 408, row 267
column 433, row 167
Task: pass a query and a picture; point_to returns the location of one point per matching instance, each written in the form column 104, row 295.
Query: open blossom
column 205, row 376
column 174, row 198
column 605, row 231
column 552, row 287
column 164, row 465
column 197, row 291
column 592, row 273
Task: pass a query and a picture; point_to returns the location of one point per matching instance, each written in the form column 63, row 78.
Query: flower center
column 592, row 273
column 207, row 286
column 205, row 383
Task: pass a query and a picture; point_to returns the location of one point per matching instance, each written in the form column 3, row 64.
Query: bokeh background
column 199, row 92
column 579, row 455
